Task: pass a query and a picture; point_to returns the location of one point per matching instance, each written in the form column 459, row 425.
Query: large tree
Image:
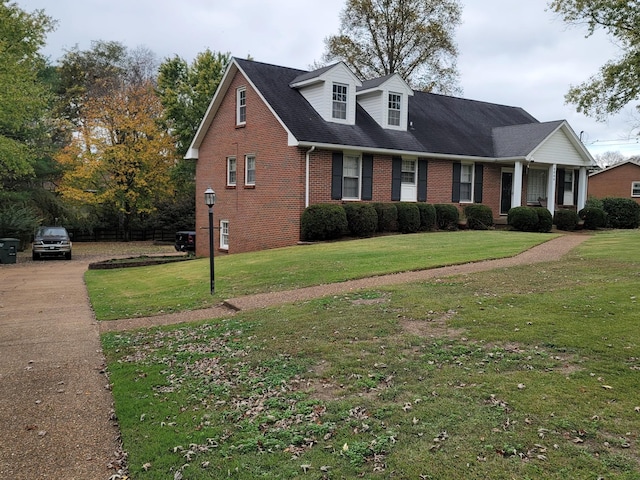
column 23, row 93
column 414, row 38
column 618, row 81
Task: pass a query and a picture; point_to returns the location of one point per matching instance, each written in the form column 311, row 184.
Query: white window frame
column 635, row 189
column 339, row 101
column 249, row 172
column 467, row 172
column 241, row 106
column 537, row 185
column 232, row 173
column 394, row 109
column 224, row 235
column 407, row 172
column 349, row 175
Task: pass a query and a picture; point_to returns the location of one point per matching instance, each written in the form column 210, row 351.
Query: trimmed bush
column 447, row 216
column 524, row 219
column 427, row 216
column 593, row 217
column 566, row 219
column 593, row 202
column 621, row 212
column 323, row 221
column 408, row 217
column 362, row 219
column 479, row 217
column 387, row 217
column 545, row 219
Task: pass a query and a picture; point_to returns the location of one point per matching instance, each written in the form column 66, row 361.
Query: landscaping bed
column 140, row 261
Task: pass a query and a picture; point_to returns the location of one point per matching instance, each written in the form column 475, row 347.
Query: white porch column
column 582, row 188
column 551, row 188
column 516, row 188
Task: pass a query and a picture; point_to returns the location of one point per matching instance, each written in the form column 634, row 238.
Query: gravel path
column 55, row 405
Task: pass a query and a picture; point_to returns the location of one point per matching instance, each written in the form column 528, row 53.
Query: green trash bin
column 9, row 250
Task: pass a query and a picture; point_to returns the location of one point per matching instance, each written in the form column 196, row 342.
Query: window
column 395, row 103
column 231, row 171
column 536, row 185
column 339, row 101
column 250, row 170
column 351, row 177
column 241, row 106
column 466, row 182
column 408, row 174
column 635, row 189
column 224, row 234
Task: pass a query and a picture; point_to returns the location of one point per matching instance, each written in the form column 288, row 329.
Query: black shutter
column 477, row 181
column 560, row 182
column 336, row 176
column 422, row 180
column 455, row 188
column 396, row 178
column 576, row 182
column 367, row 177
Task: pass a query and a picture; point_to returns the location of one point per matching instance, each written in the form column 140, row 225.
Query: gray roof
column 438, row 124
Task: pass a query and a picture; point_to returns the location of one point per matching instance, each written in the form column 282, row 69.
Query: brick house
column 275, row 140
column 621, row 180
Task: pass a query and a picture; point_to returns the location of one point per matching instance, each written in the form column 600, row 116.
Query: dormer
column 331, row 91
column 386, row 99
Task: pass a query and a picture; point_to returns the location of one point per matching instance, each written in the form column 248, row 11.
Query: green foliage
column 479, row 217
column 18, row 221
column 427, row 216
column 362, row 219
column 545, row 219
column 412, row 38
column 387, row 217
column 621, row 212
column 447, row 216
column 323, row 221
column 566, row 219
column 524, row 219
column 408, row 217
column 593, row 202
column 593, row 217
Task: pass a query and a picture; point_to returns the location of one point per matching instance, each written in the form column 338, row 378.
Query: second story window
column 241, row 106
column 231, row 171
column 250, row 170
column 339, row 109
column 395, row 105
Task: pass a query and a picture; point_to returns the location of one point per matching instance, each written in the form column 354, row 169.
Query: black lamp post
column 210, row 201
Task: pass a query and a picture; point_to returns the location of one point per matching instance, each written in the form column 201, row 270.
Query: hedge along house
column 275, row 140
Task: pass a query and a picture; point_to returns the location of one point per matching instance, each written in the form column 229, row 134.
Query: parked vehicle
column 51, row 242
column 185, row 241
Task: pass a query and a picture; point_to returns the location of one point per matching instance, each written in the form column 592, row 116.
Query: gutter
column 306, row 185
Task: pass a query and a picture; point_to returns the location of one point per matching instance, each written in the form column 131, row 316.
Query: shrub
column 323, row 221
column 593, row 217
column 621, row 212
column 447, row 216
column 545, row 219
column 387, row 217
column 408, row 217
column 479, row 217
column 593, row 202
column 427, row 216
column 566, row 219
column 18, row 221
column 362, row 219
column 524, row 219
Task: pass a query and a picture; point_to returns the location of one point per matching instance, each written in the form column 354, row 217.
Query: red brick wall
column 615, row 182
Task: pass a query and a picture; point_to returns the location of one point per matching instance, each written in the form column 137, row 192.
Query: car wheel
column 67, row 255
column 35, row 256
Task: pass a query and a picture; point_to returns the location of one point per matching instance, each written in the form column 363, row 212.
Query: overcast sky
column 512, row 53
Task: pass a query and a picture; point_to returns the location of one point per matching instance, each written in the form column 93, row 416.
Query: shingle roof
column 439, row 124
column 521, row 140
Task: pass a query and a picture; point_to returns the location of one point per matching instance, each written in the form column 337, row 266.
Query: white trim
column 235, row 171
column 224, row 245
column 239, row 106
column 246, row 169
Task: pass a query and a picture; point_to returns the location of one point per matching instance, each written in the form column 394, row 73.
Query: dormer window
column 339, row 109
column 395, row 107
column 241, row 106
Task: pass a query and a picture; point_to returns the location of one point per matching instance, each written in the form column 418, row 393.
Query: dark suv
column 51, row 242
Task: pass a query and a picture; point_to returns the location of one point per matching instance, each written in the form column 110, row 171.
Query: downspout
column 306, row 186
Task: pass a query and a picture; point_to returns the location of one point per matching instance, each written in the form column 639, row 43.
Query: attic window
column 395, row 104
column 241, row 106
column 339, row 109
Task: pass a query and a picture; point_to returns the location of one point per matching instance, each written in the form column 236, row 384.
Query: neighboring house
column 275, row 140
column 619, row 180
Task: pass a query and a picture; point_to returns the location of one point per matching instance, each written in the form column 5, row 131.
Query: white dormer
column 386, row 99
column 331, row 91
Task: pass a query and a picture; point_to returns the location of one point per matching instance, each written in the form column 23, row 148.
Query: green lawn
column 522, row 373
column 145, row 291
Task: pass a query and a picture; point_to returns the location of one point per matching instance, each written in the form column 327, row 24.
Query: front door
column 409, row 189
column 506, row 192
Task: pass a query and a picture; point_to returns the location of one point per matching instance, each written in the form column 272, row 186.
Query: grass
column 147, row 291
column 527, row 372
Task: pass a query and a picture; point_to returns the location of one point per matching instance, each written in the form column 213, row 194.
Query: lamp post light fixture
column 210, row 201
